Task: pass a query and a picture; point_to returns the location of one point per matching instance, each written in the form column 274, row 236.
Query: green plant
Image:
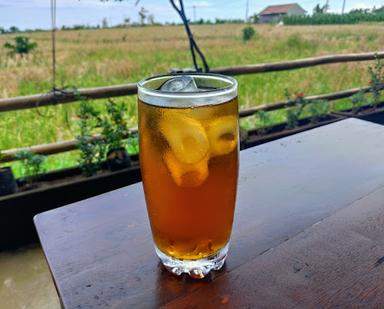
column 32, row 164
column 293, row 113
column 254, row 18
column 357, row 101
column 318, row 109
column 90, row 159
column 1, row 157
column 114, row 125
column 264, row 121
column 324, row 18
column 21, row 46
column 376, row 74
column 133, row 143
column 248, row 33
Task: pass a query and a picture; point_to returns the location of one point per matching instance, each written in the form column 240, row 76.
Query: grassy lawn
column 91, row 58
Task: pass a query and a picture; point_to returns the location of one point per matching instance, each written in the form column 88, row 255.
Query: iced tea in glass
column 189, row 149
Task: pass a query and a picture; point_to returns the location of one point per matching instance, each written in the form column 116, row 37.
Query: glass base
column 197, row 269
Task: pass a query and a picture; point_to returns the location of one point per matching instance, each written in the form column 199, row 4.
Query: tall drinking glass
column 189, row 133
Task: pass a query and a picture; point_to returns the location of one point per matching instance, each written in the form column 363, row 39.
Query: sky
column 36, row 13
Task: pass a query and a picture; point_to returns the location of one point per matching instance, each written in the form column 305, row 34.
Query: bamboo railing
column 297, row 64
column 329, row 97
column 63, row 97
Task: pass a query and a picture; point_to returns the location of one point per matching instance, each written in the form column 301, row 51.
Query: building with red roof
column 275, row 13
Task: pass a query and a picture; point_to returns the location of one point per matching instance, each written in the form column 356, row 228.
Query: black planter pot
column 7, row 181
column 377, row 117
column 118, row 159
column 363, row 112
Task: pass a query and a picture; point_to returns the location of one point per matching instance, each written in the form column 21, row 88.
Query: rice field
column 91, row 58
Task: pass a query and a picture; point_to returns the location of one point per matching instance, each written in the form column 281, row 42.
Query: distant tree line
column 217, row 21
column 12, row 29
column 321, row 16
column 148, row 21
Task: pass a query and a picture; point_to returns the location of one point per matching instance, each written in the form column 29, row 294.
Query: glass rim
column 230, row 88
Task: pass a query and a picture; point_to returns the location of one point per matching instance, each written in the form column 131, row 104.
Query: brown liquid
column 189, row 165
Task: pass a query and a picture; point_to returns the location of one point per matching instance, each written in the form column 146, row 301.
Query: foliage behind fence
column 334, row 19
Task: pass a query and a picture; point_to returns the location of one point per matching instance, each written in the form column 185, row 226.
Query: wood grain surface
column 101, row 255
column 336, row 263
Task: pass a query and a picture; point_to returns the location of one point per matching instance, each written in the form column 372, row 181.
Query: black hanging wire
column 53, row 36
column 192, row 42
column 53, row 41
column 55, row 91
column 63, row 91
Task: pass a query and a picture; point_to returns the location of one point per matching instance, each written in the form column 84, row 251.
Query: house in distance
column 275, row 13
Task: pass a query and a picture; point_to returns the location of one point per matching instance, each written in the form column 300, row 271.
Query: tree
column 379, row 10
column 22, row 46
column 326, row 7
column 151, row 19
column 142, row 15
column 318, row 9
column 359, row 11
column 254, row 18
column 126, row 22
column 104, row 23
column 14, row 29
column 2, row 30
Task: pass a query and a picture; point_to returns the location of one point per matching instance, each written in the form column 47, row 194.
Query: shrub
column 90, row 159
column 114, row 126
column 293, row 113
column 248, row 33
column 377, row 81
column 264, row 121
column 32, row 163
column 358, row 100
column 318, row 109
column 21, row 46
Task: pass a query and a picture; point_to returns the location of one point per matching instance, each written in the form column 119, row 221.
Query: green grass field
column 91, row 58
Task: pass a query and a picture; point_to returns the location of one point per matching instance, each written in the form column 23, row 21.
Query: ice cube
column 183, row 83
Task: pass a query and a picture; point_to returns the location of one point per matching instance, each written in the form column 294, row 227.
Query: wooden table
column 308, row 233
